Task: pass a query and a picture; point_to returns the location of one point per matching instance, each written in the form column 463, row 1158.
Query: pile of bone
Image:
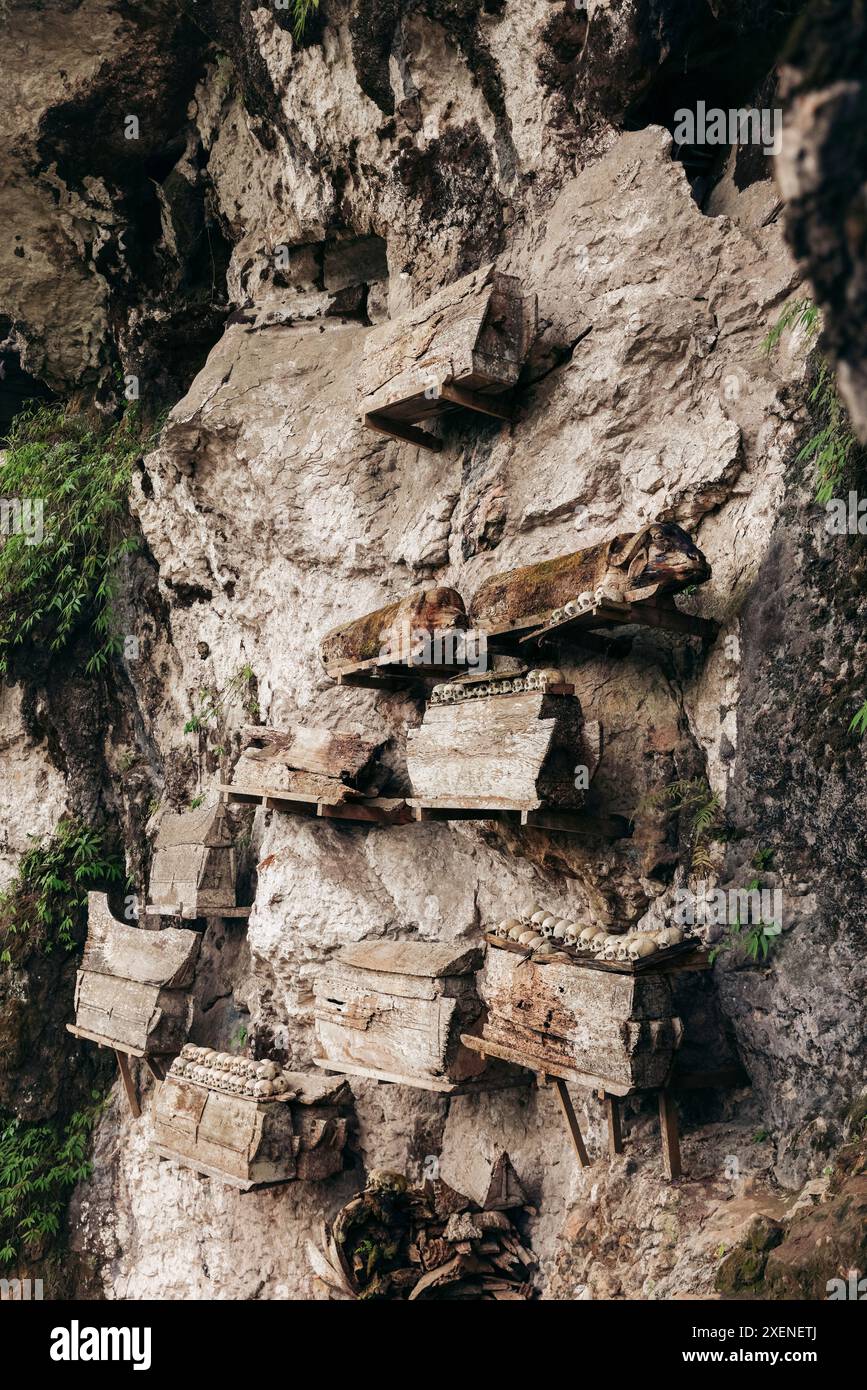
column 455, row 691
column 576, row 606
column 239, row 1076
column 543, row 934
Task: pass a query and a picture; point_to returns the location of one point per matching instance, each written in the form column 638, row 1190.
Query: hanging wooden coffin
column 395, row 1010
column 620, row 577
column 422, row 630
column 616, row 1032
column 132, row 991
column 463, row 347
column 248, row 1141
column 194, row 869
column 519, row 752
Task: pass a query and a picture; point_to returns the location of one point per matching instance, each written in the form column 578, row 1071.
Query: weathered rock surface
column 398, row 147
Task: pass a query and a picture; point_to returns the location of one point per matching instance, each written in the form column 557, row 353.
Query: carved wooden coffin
column 248, row 1141
column 396, row 1010
column 422, row 628
column 132, row 991
column 616, row 1031
column 331, row 764
column 464, row 346
column 194, row 870
column 659, row 559
column 511, row 751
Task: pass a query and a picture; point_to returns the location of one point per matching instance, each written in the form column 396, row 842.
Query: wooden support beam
column 399, row 429
column 128, row 1084
column 669, row 1134
column 499, row 406
column 570, row 1117
column 156, row 1068
column 615, row 1129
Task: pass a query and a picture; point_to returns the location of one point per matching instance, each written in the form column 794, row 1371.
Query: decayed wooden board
column 336, row 753
column 193, row 872
column 310, row 785
column 164, row 958
column 618, row 1027
column 372, row 810
column 390, row 633
column 129, row 1016
column 248, row 1143
column 431, row 959
column 393, row 1009
column 506, row 750
column 476, row 331
column 205, row 826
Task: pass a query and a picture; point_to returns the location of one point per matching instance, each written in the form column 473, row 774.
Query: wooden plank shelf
column 497, row 1079
column 158, row 910
column 538, row 630
column 381, row 674
column 684, row 956
column 527, row 817
column 371, row 810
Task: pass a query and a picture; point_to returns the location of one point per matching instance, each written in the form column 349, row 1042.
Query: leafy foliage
column 79, row 468
column 830, row 447
column 859, row 721
column 302, row 11
column 39, row 1166
column 756, row 939
column 703, row 810
column 44, row 905
column 213, row 703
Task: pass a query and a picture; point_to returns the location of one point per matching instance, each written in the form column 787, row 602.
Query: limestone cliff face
column 282, row 197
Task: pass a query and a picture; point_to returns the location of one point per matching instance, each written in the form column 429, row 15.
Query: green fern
column 695, row 799
column 800, row 314
column 213, row 703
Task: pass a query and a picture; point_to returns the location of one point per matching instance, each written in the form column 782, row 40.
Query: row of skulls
column 544, row 934
column 224, row 1071
column 455, row 691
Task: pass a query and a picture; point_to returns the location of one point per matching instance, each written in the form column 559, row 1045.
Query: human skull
column 266, row 1071
column 556, row 615
column 504, row 687
column 538, row 917
column 585, row 600
column 516, row 932
column 436, row 695
column 641, row 946
column 448, row 694
column 548, row 921
column 188, row 1052
column 570, row 935
column 547, row 927
column 621, row 952
column 519, row 686
column 280, row 1084
column 587, row 935
column 609, row 950
column 669, row 936
column 263, row 1089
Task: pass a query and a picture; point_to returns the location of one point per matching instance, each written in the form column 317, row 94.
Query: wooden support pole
column 615, row 1130
column 570, row 1117
column 499, row 406
column 400, row 429
column 128, row 1084
column 155, row 1068
column 669, row 1135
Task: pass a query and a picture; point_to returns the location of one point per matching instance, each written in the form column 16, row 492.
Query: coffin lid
column 161, row 958
column 429, row 959
column 206, row 826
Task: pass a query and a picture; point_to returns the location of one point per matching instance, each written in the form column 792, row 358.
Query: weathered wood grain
column 165, row 958
column 399, row 1008
column 393, row 631
column 131, row 992
column 516, row 751
column 338, row 753
column 617, row 1027
column 194, row 868
column 249, row 1143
